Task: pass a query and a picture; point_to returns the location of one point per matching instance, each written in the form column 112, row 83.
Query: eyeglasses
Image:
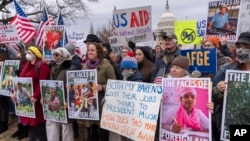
column 56, row 54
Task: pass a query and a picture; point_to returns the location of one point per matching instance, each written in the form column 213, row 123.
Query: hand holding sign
column 176, row 127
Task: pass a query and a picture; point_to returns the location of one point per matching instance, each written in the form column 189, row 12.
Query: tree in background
column 71, row 9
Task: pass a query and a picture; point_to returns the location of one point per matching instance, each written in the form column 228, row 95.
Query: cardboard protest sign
column 82, row 94
column 23, row 91
column 236, row 101
column 184, row 115
column 53, row 38
column 244, row 16
column 204, row 60
column 131, row 109
column 133, row 24
column 53, row 98
column 116, row 46
column 186, row 32
column 8, row 74
column 201, row 28
column 223, row 19
column 8, row 34
column 75, row 36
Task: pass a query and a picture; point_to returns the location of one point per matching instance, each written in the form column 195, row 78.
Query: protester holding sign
column 37, row 125
column 240, row 62
column 105, row 71
column 62, row 63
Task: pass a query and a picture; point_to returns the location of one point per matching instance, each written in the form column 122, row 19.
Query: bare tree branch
column 71, row 9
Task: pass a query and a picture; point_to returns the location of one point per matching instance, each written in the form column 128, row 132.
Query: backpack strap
column 38, row 64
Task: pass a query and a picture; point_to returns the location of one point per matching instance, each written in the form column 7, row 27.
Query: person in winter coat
column 37, row 131
column 129, row 68
column 105, row 71
column 240, row 61
column 130, row 72
column 76, row 65
column 62, row 64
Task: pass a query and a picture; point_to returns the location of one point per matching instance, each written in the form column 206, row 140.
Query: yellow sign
column 186, row 32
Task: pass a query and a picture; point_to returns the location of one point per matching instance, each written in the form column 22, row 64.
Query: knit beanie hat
column 71, row 48
column 213, row 40
column 129, row 62
column 63, row 52
column 181, row 61
column 36, row 52
column 187, row 90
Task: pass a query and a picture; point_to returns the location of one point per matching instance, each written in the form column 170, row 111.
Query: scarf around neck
column 191, row 121
column 92, row 64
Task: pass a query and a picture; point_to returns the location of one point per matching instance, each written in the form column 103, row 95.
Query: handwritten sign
column 204, row 60
column 244, row 16
column 133, row 24
column 131, row 109
column 8, row 34
column 116, row 45
column 186, row 32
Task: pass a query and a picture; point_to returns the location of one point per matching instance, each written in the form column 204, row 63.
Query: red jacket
column 29, row 70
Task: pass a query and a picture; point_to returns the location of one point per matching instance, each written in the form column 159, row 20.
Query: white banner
column 8, row 34
column 131, row 109
column 133, row 24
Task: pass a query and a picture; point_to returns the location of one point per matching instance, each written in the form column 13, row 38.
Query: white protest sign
column 133, row 24
column 131, row 109
column 8, row 34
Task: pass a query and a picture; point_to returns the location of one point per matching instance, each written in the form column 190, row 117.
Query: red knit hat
column 213, row 40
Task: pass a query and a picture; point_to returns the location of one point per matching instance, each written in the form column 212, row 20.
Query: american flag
column 25, row 29
column 158, row 80
column 61, row 22
column 45, row 20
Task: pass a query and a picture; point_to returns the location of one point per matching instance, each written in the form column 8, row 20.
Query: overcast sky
column 102, row 11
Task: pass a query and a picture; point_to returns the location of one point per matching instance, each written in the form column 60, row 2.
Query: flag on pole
column 61, row 22
column 45, row 20
column 25, row 29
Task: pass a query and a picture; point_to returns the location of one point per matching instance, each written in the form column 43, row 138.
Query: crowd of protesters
column 141, row 64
